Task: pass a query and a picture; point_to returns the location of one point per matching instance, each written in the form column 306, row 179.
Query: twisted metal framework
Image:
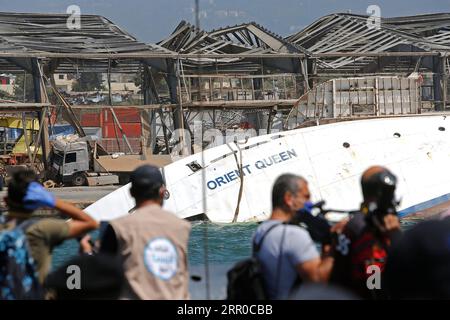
column 337, row 45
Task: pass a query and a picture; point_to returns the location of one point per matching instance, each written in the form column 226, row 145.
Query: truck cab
column 71, row 163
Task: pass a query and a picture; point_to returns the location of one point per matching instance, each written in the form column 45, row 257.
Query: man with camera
column 288, row 255
column 361, row 249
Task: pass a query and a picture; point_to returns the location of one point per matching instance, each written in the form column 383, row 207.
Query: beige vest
column 153, row 245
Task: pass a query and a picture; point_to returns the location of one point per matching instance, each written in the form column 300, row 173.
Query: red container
column 132, row 130
column 90, row 120
column 129, row 119
column 125, row 115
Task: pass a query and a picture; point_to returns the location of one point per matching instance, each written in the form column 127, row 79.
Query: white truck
column 72, row 163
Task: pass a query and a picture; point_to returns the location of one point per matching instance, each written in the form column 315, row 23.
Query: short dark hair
column 17, row 189
column 146, row 193
column 284, row 183
column 146, row 181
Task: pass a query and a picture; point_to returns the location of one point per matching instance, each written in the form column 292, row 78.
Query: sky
column 153, row 20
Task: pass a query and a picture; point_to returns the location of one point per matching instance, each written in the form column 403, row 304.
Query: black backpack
column 245, row 279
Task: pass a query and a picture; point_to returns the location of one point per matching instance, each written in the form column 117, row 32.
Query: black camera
column 317, row 226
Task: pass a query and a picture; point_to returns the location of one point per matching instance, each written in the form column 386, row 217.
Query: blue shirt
column 295, row 247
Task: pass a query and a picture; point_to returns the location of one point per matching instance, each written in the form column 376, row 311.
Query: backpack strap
column 2, row 219
column 280, row 262
column 257, row 246
column 23, row 226
column 26, row 224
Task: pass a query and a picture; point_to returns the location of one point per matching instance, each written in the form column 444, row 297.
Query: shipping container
column 132, row 130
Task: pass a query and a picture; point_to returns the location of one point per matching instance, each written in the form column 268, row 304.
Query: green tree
column 158, row 78
column 24, row 82
column 89, row 81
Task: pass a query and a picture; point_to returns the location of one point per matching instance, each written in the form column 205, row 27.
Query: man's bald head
column 372, row 171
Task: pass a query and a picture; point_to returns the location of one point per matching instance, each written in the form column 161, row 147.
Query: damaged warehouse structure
column 233, row 78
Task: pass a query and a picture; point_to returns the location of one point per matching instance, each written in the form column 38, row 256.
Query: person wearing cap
column 361, row 245
column 151, row 242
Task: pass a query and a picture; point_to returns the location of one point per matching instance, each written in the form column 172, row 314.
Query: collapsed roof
column 248, row 39
column 334, row 36
column 47, row 35
column 338, row 42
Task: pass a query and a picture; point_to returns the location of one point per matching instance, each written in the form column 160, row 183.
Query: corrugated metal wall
column 356, row 97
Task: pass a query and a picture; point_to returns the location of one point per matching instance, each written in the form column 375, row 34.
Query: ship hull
column 330, row 157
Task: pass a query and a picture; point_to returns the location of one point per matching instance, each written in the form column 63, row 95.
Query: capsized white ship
column 331, row 157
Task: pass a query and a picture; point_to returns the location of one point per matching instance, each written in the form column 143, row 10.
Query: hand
column 85, row 245
column 387, row 224
column 391, row 223
column 37, row 196
column 336, row 230
column 339, row 227
column 327, row 250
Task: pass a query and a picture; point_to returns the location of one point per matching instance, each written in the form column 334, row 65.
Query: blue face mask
column 37, row 196
column 307, row 208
